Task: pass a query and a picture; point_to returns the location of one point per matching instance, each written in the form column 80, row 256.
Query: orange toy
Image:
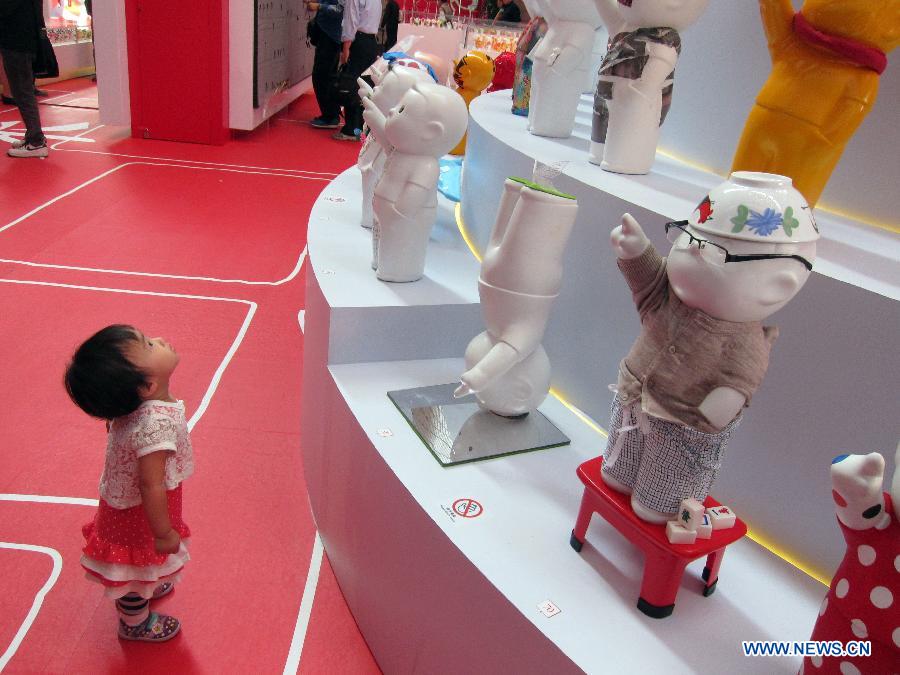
column 472, row 74
column 826, row 61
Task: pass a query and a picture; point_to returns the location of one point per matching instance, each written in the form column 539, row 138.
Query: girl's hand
column 167, row 544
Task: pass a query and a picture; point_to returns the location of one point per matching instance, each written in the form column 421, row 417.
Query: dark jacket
column 390, row 18
column 510, row 13
column 20, row 24
column 329, row 17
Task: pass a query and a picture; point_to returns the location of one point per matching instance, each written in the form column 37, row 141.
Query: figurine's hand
column 365, row 89
column 488, row 370
column 895, row 484
column 373, row 116
column 628, row 239
column 722, row 405
column 462, row 390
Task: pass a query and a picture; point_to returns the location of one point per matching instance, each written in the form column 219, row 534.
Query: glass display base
column 458, row 430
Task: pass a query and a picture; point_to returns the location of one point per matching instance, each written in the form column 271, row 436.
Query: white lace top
column 155, row 426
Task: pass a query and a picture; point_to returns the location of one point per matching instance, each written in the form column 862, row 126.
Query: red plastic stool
column 664, row 563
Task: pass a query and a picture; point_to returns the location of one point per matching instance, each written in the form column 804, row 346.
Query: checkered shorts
column 664, row 462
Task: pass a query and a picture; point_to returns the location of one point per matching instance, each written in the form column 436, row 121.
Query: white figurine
column 747, row 249
column 634, row 90
column 521, row 275
column 561, row 66
column 401, row 75
column 429, row 120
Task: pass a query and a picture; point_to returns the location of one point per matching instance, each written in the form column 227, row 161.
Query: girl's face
column 156, row 357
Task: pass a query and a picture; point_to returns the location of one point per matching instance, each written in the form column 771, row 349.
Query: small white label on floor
column 548, row 609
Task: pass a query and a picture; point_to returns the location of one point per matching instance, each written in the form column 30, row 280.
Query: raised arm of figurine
column 495, row 363
column 609, row 15
column 895, row 484
column 777, row 20
column 373, row 117
column 365, row 89
column 661, row 62
column 628, row 239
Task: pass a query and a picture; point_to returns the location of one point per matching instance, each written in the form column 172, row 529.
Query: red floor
column 203, row 245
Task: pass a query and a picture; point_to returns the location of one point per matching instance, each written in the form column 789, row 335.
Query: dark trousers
column 21, row 80
column 390, row 36
column 325, row 63
column 363, row 53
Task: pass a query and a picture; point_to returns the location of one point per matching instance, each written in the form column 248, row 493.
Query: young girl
column 135, row 544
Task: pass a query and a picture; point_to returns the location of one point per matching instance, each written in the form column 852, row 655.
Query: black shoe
column 8, row 100
column 322, row 123
column 40, row 92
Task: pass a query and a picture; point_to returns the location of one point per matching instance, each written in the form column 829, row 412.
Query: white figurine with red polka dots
column 863, row 602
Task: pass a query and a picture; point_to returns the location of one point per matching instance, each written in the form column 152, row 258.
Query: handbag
column 45, row 64
column 344, row 87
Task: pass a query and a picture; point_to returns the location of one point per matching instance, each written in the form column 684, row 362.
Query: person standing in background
column 21, row 22
column 390, row 19
column 359, row 50
column 509, row 12
column 89, row 8
column 329, row 14
column 6, row 96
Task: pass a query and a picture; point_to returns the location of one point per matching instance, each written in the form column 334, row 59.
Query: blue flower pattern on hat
column 765, row 223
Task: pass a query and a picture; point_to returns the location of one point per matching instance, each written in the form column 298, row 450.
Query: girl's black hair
column 100, row 379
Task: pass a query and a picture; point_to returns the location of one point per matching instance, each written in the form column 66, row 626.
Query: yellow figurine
column 472, row 74
column 826, row 61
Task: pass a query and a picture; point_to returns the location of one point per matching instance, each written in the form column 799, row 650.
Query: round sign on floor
column 467, row 508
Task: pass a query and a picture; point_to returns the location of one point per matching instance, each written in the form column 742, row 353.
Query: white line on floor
column 301, row 319
column 79, row 136
column 122, row 166
column 306, row 604
column 214, row 383
column 289, row 277
column 38, row 598
column 47, row 499
column 293, row 274
column 328, row 174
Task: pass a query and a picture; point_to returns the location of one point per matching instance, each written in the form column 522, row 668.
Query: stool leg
column 584, row 519
column 711, row 571
column 662, row 576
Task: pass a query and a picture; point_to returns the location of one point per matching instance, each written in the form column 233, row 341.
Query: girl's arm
column 152, row 469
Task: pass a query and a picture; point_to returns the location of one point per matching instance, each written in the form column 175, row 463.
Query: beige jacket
column 682, row 354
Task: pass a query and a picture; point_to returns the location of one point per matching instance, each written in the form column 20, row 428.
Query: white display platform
column 433, row 592
column 834, row 376
column 849, row 251
column 375, row 321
